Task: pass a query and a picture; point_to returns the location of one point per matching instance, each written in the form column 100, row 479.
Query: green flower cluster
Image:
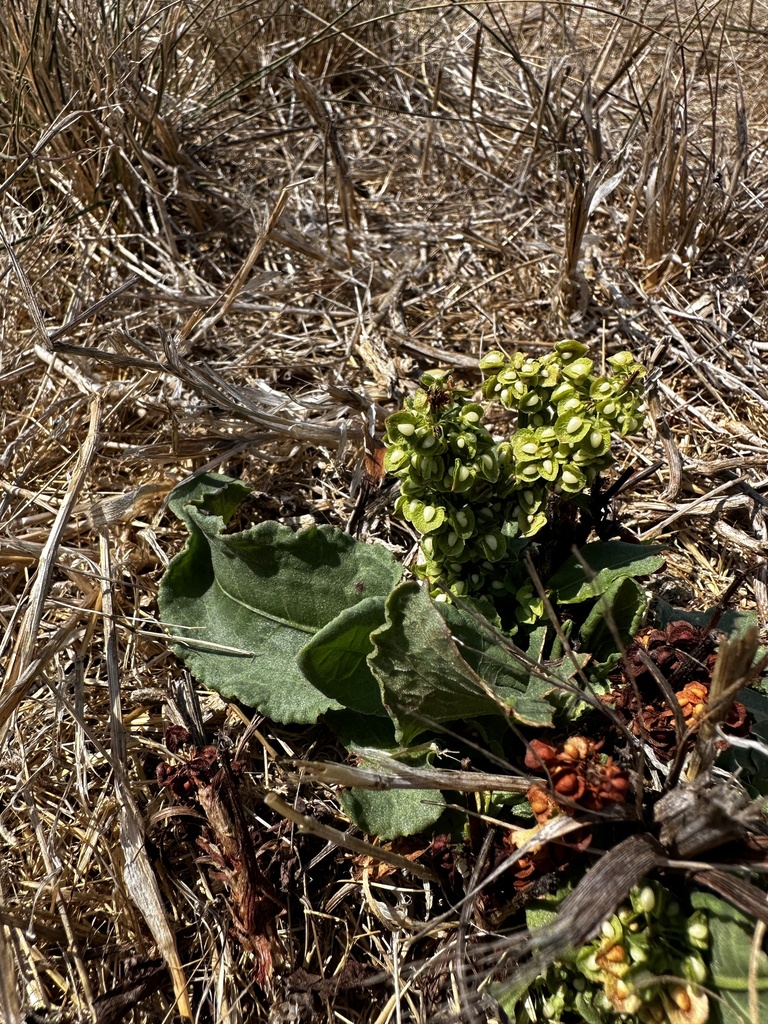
column 646, row 967
column 565, row 418
column 453, row 481
column 641, row 948
column 468, row 495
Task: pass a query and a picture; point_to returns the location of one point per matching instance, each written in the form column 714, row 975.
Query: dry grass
column 231, row 230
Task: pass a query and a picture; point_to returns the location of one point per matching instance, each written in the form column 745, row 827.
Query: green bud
column 694, row 969
column 646, row 899
column 697, row 929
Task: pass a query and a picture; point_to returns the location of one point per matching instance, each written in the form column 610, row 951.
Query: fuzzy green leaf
column 423, row 677
column 389, row 813
column 241, row 606
column 384, row 813
column 212, row 493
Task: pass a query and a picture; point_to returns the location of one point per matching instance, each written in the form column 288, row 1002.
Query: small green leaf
column 389, row 813
column 608, row 561
column 334, row 660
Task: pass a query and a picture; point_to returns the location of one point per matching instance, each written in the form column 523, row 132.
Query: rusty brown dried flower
column 684, row 655
column 578, row 775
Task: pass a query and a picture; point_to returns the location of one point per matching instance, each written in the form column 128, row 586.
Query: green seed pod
column 612, row 930
column 528, row 446
column 694, row 969
column 578, row 370
column 487, row 466
column 530, row 523
column 625, row 361
column 492, row 362
column 493, row 545
column 644, row 899
column 602, row 388
column 697, row 930
column 426, row 518
column 395, row 459
column 426, row 441
column 462, row 478
column 548, row 469
column 401, row 427
column 569, row 406
column 571, row 479
column 463, row 521
column 564, row 391
column 471, row 415
column 569, row 350
column 450, row 544
column 531, row 403
column 572, row 428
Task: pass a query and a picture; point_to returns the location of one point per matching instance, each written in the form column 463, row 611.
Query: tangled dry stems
column 233, row 236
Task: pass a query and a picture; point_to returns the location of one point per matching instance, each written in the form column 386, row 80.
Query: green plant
column 381, row 660
column 473, row 498
column 648, row 965
column 314, row 624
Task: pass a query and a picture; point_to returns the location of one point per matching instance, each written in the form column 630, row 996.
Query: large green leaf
column 423, row 677
column 435, row 663
column 241, row 606
column 730, row 954
column 608, row 562
column 481, row 644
